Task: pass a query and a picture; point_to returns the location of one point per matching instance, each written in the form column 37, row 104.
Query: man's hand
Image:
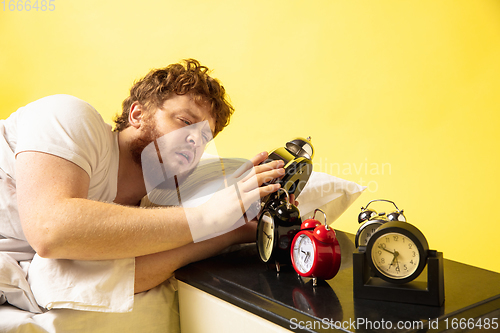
column 227, row 206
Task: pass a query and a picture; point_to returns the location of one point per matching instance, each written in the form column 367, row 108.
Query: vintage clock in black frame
column 394, row 257
column 278, row 224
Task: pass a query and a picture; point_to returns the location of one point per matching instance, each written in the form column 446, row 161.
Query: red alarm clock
column 315, row 250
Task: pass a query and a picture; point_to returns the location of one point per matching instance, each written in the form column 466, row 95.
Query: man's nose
column 194, row 138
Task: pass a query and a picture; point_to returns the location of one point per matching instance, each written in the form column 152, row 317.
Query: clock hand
column 383, row 248
column 307, row 255
column 395, row 254
column 397, row 263
column 267, row 235
column 393, row 260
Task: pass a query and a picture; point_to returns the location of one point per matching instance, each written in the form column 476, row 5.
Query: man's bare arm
column 153, row 269
column 59, row 222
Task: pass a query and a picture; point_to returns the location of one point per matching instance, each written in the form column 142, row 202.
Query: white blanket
column 155, row 311
column 82, row 296
column 14, row 287
column 103, row 286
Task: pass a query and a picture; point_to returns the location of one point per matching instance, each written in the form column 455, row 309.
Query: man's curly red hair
column 191, row 78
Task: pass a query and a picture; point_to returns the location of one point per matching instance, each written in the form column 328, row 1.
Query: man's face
column 180, row 131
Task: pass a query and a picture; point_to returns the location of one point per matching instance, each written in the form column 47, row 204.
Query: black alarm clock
column 297, row 156
column 395, row 255
column 371, row 220
column 278, row 224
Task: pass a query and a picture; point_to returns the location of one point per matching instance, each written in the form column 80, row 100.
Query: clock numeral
column 404, row 266
column 413, row 254
column 395, row 238
column 410, row 246
column 387, row 240
column 382, row 260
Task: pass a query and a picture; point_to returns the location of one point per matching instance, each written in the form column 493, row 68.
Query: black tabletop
column 472, row 296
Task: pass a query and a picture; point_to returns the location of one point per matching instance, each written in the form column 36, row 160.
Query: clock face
column 303, row 253
column 265, row 236
column 395, row 255
column 365, row 232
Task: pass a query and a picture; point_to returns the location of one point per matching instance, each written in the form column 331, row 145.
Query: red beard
column 149, row 133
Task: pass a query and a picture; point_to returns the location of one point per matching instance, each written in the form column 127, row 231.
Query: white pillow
column 331, row 194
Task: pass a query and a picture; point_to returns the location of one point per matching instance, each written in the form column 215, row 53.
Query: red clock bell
column 315, row 250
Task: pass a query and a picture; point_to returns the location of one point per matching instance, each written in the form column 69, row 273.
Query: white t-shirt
column 72, row 129
column 64, row 126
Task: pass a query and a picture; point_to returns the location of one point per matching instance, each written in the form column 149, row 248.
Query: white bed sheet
column 156, row 310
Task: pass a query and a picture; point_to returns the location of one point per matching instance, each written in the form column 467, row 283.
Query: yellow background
column 401, row 96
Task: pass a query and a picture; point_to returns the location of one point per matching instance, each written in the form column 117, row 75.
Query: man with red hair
column 79, row 183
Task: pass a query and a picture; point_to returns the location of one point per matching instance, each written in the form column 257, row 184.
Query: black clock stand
column 368, row 286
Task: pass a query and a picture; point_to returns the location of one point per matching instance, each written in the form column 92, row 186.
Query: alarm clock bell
column 371, row 220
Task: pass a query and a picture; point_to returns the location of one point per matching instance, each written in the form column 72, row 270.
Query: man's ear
column 135, row 115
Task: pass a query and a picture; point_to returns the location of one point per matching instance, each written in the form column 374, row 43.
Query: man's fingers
column 267, row 176
column 252, row 175
column 247, row 169
column 259, row 158
column 262, row 191
column 253, row 181
column 264, row 168
column 244, row 169
column 269, row 166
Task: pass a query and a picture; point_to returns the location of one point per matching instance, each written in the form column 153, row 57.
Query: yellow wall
column 398, row 95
